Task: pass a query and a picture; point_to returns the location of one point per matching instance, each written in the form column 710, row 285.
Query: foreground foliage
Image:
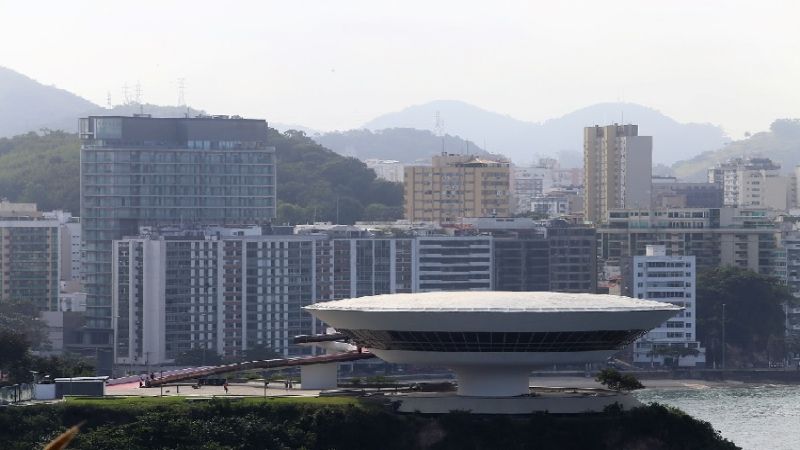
column 291, row 424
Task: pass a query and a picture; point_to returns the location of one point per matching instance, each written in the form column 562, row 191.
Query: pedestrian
column 225, row 386
column 286, row 384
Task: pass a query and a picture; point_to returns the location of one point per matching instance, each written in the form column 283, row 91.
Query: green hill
column 44, row 168
column 781, row 144
column 41, row 168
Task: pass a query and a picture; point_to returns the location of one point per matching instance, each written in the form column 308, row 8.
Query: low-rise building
column 386, row 169
column 456, row 186
column 752, row 183
column 747, row 238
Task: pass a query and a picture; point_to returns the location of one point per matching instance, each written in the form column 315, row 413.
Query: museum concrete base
column 550, row 400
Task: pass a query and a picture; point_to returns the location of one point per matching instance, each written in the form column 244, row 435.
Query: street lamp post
column 723, row 336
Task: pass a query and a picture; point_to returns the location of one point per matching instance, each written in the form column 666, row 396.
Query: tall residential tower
column 618, row 168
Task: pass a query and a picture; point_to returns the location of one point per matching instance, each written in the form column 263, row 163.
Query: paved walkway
column 255, row 389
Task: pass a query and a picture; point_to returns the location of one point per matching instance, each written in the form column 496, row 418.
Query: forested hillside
column 44, row 168
column 312, row 180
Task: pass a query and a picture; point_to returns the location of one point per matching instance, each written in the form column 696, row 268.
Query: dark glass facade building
column 143, row 171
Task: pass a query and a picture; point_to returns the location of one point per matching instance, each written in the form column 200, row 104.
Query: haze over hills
column 406, row 145
column 523, row 141
column 26, row 104
column 781, row 144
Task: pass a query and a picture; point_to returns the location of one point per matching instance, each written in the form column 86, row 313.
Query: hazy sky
column 337, row 64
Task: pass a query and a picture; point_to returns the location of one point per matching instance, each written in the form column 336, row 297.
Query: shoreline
column 654, row 383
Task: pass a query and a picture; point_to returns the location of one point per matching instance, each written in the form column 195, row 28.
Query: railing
column 16, row 393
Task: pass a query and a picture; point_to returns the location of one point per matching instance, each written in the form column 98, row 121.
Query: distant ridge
column 524, row 141
column 781, row 144
column 27, row 105
column 406, row 145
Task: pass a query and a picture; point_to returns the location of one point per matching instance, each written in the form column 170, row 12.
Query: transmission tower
column 438, row 127
column 181, row 91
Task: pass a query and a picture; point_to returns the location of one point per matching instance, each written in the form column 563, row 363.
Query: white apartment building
column 386, row 169
column 70, row 243
column 228, row 290
column 528, row 183
column 670, row 279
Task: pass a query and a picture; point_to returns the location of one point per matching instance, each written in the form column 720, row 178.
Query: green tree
column 14, row 354
column 23, row 317
column 613, row 379
column 754, row 314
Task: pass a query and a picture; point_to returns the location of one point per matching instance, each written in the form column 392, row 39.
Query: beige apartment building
column 618, row 167
column 456, row 186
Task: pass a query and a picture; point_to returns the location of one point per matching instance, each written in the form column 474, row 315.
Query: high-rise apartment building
column 29, row 256
column 670, row 279
column 617, row 169
column 140, row 171
column 456, row 186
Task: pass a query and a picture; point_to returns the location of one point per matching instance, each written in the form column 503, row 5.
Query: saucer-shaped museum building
column 492, row 340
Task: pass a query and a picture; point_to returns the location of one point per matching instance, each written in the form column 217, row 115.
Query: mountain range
column 411, row 134
column 27, row 105
column 407, row 145
column 563, row 137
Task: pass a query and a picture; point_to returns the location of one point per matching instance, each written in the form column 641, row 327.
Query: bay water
column 764, row 417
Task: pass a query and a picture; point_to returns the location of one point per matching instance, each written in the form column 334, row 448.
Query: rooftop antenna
column 126, row 93
column 108, row 100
